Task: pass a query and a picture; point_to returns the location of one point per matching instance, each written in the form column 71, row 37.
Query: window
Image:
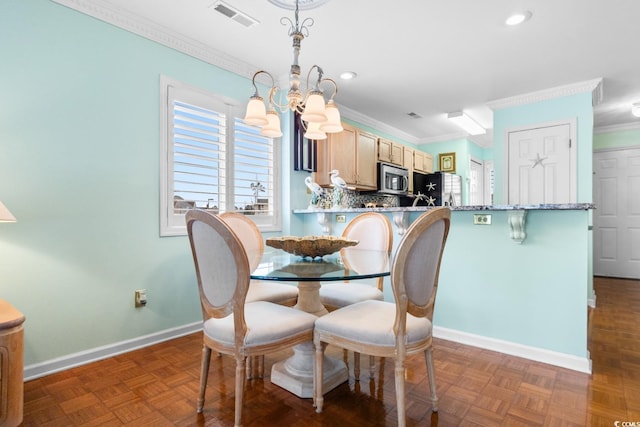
column 211, row 160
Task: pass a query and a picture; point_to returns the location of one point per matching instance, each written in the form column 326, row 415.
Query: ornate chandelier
column 317, row 117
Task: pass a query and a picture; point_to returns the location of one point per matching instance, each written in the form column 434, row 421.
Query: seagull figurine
column 336, row 180
column 313, row 186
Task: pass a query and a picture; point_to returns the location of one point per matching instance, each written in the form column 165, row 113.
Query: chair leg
column 318, row 398
column 432, row 379
column 249, row 368
column 240, row 374
column 356, row 365
column 372, row 366
column 400, row 392
column 204, row 374
column 261, row 366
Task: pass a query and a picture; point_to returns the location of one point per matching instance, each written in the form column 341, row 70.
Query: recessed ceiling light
column 348, row 75
column 518, row 18
column 635, row 109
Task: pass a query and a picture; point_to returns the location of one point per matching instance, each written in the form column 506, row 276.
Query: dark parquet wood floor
column 157, row 386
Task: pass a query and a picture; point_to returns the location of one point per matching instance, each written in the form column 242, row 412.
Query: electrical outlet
column 482, row 219
column 341, row 218
column 140, row 298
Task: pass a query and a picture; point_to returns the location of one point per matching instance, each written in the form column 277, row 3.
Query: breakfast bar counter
column 514, row 278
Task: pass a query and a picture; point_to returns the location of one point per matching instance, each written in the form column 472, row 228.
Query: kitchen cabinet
column 390, row 152
column 422, row 162
column 407, row 156
column 353, row 152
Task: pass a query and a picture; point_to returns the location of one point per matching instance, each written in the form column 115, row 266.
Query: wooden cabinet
column 422, row 162
column 407, row 156
column 353, row 153
column 11, row 365
column 390, row 152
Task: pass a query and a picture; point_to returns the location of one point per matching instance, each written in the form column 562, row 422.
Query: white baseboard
column 563, row 360
column 82, row 358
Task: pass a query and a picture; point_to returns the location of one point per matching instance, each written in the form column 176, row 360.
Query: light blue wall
column 620, row 139
column 79, row 168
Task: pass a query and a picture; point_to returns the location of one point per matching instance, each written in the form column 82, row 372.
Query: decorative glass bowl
column 310, row 246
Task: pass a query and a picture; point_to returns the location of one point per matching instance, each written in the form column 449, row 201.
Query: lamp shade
column 256, row 114
column 333, row 123
column 314, row 132
column 5, row 215
column 314, row 109
column 272, row 128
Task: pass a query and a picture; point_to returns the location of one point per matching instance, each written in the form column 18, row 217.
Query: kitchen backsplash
column 354, row 199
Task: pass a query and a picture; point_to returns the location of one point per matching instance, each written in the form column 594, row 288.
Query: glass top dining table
column 296, row 373
column 348, row 264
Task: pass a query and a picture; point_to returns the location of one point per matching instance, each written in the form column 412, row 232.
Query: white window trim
column 173, row 224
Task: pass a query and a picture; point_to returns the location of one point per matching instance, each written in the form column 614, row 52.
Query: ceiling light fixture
column 635, row 109
column 466, row 123
column 348, row 75
column 318, row 117
column 518, row 18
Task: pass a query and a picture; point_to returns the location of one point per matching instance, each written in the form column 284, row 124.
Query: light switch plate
column 482, row 219
column 341, row 218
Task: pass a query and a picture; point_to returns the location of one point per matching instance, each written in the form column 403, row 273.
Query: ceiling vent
column 414, row 115
column 233, row 13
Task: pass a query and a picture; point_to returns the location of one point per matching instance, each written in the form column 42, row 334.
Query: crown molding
column 617, row 128
column 136, row 24
column 594, row 86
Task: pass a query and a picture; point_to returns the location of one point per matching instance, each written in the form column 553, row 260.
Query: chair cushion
column 341, row 294
column 371, row 322
column 266, row 323
column 262, row 290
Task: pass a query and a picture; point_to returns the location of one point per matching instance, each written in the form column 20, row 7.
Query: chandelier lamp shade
column 5, row 215
column 318, row 117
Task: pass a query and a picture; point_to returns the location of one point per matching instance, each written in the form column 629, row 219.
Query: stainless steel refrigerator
column 439, row 188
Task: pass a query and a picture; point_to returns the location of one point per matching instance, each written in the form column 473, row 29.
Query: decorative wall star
column 431, row 186
column 538, row 160
column 431, row 201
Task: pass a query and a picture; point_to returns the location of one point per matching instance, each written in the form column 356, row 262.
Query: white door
column 616, row 219
column 540, row 166
column 476, row 183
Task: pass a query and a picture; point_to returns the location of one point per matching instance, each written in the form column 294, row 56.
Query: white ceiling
column 423, row 56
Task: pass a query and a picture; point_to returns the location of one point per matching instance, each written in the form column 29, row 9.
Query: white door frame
column 573, row 154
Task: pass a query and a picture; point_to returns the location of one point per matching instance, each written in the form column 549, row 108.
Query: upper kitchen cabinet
column 353, row 153
column 407, row 156
column 390, row 152
column 422, row 162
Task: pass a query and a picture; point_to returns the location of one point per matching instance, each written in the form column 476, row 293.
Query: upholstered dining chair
column 232, row 325
column 259, row 290
column 393, row 329
column 373, row 231
column 251, row 238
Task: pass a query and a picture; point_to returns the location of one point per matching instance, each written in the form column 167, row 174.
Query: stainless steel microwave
column 392, row 179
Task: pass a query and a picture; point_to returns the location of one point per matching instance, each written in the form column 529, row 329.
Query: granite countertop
column 559, row 206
